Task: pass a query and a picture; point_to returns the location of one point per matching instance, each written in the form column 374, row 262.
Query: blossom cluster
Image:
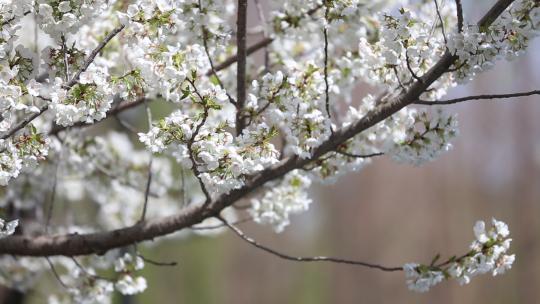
column 21, row 152
column 479, row 48
column 282, row 200
column 488, row 253
column 127, row 284
column 426, row 138
column 8, row 228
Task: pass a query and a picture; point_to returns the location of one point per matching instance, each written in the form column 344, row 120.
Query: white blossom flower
column 8, row 228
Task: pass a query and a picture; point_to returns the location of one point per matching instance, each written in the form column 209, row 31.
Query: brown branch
column 156, row 263
column 93, row 55
column 101, row 242
column 459, row 13
column 476, row 97
column 284, row 256
column 190, row 143
column 326, row 86
column 241, row 24
column 23, row 123
column 359, row 155
column 409, row 67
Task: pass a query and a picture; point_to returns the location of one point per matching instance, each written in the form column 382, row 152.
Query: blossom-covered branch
column 103, row 241
column 288, row 125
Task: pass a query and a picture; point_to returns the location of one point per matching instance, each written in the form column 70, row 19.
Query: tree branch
column 459, row 13
column 476, row 97
column 241, row 24
column 101, row 242
column 284, row 256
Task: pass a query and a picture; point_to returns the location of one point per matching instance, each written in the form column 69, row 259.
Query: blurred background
column 389, row 214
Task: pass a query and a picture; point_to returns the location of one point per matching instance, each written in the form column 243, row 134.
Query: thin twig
column 262, row 18
column 326, row 87
column 156, row 263
column 251, row 241
column 459, row 13
column 241, row 24
column 81, row 267
column 212, row 68
column 66, row 64
column 409, row 67
column 24, row 122
column 359, row 155
column 441, row 20
column 476, row 97
column 93, row 55
column 190, row 143
column 125, row 125
column 56, row 275
column 149, row 179
column 241, row 221
column 52, row 198
column 398, row 79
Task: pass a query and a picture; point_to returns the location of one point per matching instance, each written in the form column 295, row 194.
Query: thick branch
column 101, row 242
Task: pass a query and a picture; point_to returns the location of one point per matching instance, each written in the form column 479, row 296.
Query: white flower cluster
column 282, row 200
column 128, row 284
column 87, row 288
column 86, row 101
column 488, row 254
column 164, row 63
column 221, row 159
column 406, row 48
column 60, row 17
column 426, row 138
column 479, row 48
column 8, row 228
column 295, row 105
column 86, row 285
column 22, row 152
